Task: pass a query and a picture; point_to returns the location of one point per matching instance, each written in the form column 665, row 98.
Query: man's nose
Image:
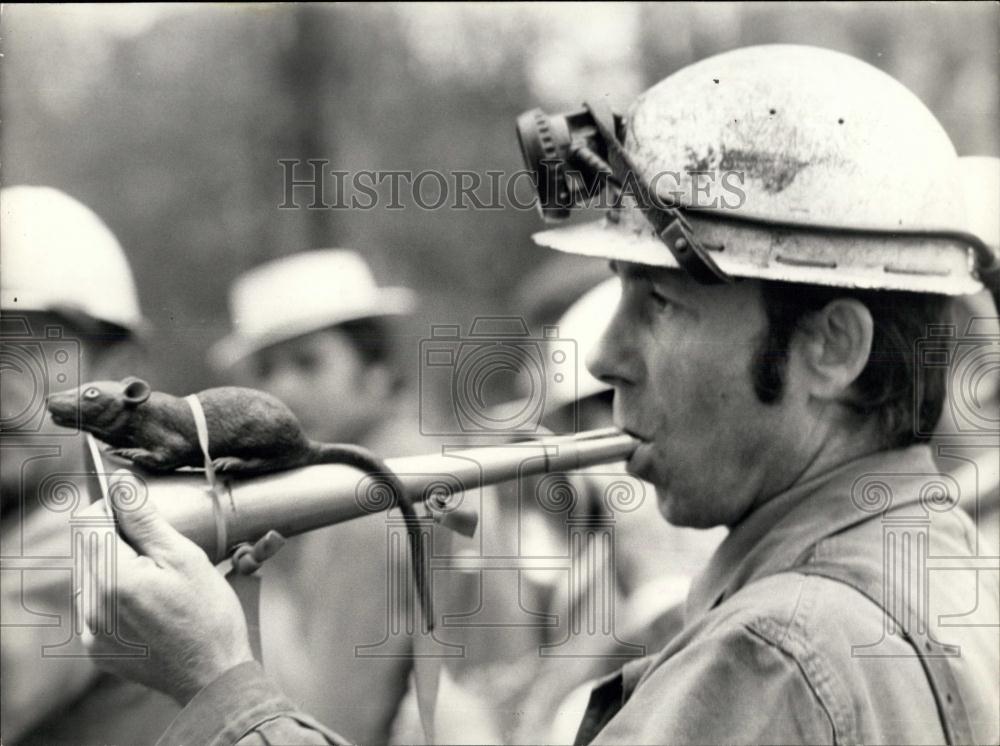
column 611, row 360
column 282, row 383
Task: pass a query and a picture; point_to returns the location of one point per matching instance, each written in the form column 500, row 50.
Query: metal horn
column 299, row 500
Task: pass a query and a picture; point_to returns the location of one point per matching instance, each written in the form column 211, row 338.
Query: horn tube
column 299, row 500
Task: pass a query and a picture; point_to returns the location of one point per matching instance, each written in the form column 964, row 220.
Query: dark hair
column 888, row 386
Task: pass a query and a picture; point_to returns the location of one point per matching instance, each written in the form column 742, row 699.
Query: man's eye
column 306, row 363
column 660, row 300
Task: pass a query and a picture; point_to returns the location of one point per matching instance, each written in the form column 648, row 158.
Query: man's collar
column 779, row 532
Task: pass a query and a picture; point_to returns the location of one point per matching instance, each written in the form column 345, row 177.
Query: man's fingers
column 138, row 520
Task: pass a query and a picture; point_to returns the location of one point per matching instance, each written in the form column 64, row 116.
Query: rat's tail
column 375, row 467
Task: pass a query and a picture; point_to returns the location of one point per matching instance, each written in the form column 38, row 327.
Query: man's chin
column 680, row 512
column 666, row 501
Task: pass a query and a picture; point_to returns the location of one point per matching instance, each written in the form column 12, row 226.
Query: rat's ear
column 136, row 391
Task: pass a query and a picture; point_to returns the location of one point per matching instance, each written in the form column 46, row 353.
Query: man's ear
column 835, row 344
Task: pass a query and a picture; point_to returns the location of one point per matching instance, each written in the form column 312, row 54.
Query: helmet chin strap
column 668, row 222
column 988, row 270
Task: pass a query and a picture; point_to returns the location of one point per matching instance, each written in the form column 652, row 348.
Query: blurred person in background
column 315, row 330
column 967, row 438
column 70, row 314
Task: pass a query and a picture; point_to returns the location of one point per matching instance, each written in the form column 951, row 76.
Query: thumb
column 139, row 522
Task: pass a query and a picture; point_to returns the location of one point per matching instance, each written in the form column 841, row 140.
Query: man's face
column 679, row 355
column 324, row 380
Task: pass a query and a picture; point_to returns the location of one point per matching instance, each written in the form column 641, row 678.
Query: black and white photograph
column 499, row 373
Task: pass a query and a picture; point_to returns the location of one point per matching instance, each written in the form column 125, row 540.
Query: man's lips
column 640, row 455
column 634, row 434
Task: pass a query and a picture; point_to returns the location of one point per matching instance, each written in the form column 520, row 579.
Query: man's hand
column 166, row 595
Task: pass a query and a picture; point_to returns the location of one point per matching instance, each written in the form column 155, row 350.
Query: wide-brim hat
column 891, row 262
column 303, row 293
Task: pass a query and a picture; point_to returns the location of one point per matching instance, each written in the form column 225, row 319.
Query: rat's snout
column 63, row 406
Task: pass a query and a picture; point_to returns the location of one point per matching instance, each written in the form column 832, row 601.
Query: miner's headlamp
column 558, row 149
column 577, row 155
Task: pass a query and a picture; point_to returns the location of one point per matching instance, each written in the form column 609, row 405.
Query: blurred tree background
column 169, row 121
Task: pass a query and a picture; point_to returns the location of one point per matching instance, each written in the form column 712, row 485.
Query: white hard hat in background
column 56, row 254
column 303, row 293
column 847, row 178
column 584, row 323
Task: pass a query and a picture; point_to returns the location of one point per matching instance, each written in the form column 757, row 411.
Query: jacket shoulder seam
column 828, row 689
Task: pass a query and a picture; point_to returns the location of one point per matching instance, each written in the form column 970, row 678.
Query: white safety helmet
column 584, row 322
column 57, row 255
column 782, row 162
